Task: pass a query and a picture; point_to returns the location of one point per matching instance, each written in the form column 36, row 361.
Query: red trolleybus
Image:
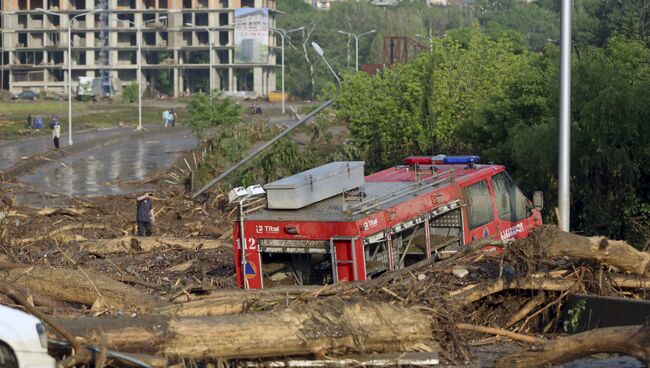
column 331, row 224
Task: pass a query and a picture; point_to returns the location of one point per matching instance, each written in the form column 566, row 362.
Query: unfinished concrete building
column 175, row 56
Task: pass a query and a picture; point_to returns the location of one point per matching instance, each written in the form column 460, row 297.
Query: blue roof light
column 460, row 159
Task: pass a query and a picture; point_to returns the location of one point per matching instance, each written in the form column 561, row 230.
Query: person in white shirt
column 56, row 134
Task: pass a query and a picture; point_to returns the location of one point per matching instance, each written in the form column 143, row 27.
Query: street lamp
column 139, row 61
column 283, row 33
column 356, row 42
column 209, row 30
column 70, row 20
column 321, row 53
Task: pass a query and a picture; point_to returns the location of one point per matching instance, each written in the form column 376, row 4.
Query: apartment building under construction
column 175, row 54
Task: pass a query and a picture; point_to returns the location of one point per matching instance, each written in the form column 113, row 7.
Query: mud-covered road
column 101, row 162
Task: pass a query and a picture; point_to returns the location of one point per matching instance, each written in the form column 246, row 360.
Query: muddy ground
column 177, row 216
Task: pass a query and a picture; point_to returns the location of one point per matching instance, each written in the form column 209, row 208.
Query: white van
column 23, row 340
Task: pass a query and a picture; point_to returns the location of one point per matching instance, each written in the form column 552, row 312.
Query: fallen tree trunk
column 475, row 292
column 130, row 244
column 238, row 301
column 76, row 286
column 321, row 327
column 629, row 340
column 59, row 234
column 611, row 252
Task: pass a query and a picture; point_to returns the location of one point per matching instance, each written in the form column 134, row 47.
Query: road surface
column 99, row 163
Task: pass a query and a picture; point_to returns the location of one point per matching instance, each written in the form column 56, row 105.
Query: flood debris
column 172, row 298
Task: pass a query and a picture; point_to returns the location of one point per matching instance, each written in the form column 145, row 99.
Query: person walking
column 29, row 121
column 38, row 122
column 172, row 117
column 145, row 217
column 56, row 131
column 165, row 117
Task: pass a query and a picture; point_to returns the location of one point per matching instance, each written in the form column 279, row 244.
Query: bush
column 130, row 92
column 211, row 111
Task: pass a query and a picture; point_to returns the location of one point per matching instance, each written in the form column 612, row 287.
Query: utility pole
column 209, row 31
column 71, row 19
column 139, row 60
column 356, row 43
column 283, row 33
column 564, row 193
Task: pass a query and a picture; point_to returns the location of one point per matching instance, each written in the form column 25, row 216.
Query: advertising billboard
column 252, row 36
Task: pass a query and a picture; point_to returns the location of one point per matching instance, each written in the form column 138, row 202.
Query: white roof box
column 314, row 185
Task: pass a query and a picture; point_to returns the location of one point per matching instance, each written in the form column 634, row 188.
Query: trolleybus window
column 511, row 203
column 479, row 205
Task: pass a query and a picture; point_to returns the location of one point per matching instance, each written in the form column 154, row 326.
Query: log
column 59, row 233
column 475, row 292
column 629, row 340
column 75, row 286
column 611, row 252
column 130, row 244
column 325, row 326
column 228, row 303
column 525, row 309
column 500, row 332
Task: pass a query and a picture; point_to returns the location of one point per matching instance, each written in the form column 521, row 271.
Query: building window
column 223, row 38
column 244, row 80
column 479, row 204
column 223, row 57
column 201, row 19
column 223, row 19
column 247, row 3
column 223, row 4
column 511, row 203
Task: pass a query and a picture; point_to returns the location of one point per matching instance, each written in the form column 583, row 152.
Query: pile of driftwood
column 429, row 306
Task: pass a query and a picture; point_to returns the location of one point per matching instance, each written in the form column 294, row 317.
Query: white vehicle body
column 23, row 340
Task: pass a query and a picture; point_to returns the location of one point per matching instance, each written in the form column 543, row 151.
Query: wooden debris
column 129, row 244
column 62, row 211
column 629, row 340
column 500, row 332
column 74, row 286
column 322, row 327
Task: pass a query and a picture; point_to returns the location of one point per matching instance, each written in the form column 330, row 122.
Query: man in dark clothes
column 145, row 215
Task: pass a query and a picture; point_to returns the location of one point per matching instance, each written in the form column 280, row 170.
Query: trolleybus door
column 347, row 260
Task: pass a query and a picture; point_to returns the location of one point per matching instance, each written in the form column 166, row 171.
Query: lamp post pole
column 139, row 61
column 356, row 43
column 282, row 33
column 207, row 29
column 70, row 20
column 564, row 194
column 2, row 57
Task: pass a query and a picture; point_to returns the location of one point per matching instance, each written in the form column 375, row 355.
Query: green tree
column 535, row 24
column 462, row 79
column 130, row 92
column 609, row 135
column 211, row 111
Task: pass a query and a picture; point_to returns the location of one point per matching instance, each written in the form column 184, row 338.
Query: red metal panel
column 427, row 238
column 249, row 275
column 344, row 259
column 390, row 252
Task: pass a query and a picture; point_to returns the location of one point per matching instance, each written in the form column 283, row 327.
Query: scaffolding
column 104, row 51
